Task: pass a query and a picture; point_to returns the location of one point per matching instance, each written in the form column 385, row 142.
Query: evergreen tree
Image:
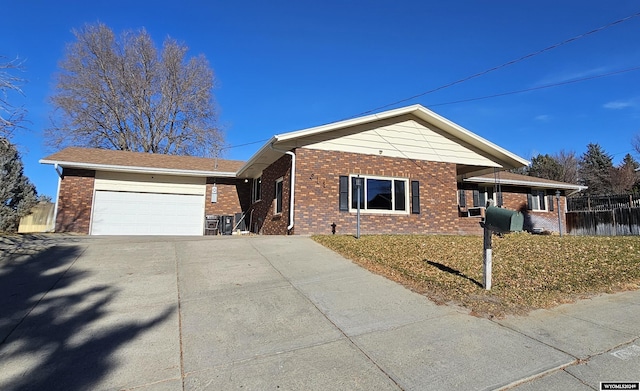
column 594, row 170
column 17, row 193
column 545, row 166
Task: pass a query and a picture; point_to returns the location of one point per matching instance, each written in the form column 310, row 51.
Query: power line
column 537, row 88
column 566, row 41
column 493, row 96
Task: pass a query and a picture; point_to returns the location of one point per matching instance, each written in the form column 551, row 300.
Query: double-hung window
column 278, row 196
column 379, row 194
column 256, row 189
column 536, row 200
column 485, row 193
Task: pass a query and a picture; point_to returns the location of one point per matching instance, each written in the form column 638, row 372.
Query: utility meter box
column 503, row 220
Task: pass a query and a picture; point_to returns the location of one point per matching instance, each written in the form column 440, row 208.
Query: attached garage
column 126, row 213
column 108, row 192
column 139, row 204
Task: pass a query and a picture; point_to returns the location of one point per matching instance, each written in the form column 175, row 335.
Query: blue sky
column 288, row 65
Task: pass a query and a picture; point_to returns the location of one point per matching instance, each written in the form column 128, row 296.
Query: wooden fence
column 614, row 222
column 610, row 202
column 40, row 219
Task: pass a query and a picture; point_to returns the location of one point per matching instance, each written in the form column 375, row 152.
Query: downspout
column 293, row 184
column 55, row 208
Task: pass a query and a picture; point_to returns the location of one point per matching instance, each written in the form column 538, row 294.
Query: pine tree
column 545, row 166
column 17, row 193
column 595, row 169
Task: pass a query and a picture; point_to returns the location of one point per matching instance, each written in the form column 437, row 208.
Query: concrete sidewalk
column 257, row 313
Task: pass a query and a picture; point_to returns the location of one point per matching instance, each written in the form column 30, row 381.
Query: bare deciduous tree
column 11, row 116
column 569, row 163
column 122, row 93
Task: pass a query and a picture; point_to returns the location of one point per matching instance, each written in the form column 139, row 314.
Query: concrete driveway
column 261, row 313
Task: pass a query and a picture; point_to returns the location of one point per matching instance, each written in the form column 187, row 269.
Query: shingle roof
column 82, row 157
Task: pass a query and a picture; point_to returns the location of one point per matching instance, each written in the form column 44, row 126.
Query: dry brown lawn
column 529, row 271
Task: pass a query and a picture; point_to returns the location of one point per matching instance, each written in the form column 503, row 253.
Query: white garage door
column 129, row 213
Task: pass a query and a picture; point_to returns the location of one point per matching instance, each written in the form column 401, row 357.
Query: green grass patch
column 529, row 271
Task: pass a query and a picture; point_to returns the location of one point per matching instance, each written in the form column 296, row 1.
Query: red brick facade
column 317, row 194
column 234, row 196
column 74, row 201
column 262, row 217
column 515, row 198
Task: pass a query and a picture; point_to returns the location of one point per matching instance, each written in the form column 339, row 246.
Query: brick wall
column 317, row 194
column 515, row 198
column 263, row 218
column 74, row 201
column 234, row 196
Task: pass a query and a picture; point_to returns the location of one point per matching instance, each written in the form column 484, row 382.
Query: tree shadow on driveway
column 53, row 334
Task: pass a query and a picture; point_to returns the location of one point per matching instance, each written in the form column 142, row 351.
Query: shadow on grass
column 48, row 336
column 455, row 272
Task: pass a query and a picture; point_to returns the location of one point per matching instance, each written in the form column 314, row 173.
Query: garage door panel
column 129, row 213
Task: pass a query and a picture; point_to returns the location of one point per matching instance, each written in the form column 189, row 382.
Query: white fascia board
column 141, row 170
column 467, row 135
column 545, row 185
column 256, row 155
column 346, row 123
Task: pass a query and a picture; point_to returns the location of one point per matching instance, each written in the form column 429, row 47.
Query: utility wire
column 493, row 96
column 577, row 37
column 537, row 88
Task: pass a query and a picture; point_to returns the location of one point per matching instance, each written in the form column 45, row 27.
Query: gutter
column 293, row 184
column 545, row 185
column 143, row 170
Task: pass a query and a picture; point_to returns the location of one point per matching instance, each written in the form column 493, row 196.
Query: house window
column 482, row 195
column 462, row 198
column 379, row 194
column 256, row 190
column 536, row 200
column 278, row 196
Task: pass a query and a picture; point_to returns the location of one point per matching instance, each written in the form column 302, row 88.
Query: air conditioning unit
column 476, row 212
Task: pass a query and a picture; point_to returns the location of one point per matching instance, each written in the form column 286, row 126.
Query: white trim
column 500, row 155
column 365, row 210
column 136, row 169
column 540, row 193
column 545, row 185
column 275, row 197
column 256, row 196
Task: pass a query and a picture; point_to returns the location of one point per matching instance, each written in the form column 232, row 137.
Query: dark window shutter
column 462, row 198
column 344, row 192
column 415, row 197
column 476, row 198
column 529, row 201
column 499, row 201
column 550, row 203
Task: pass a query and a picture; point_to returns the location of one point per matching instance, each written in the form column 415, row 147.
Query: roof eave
column 566, row 186
column 140, row 170
column 256, row 155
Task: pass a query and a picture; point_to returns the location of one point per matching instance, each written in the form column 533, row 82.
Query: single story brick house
column 418, row 173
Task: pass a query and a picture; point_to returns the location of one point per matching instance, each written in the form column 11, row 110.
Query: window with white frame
column 536, row 200
column 482, row 195
column 278, row 196
column 380, row 194
column 256, row 190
